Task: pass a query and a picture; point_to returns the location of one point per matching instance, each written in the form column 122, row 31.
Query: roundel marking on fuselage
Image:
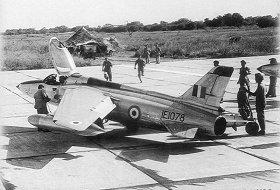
column 134, row 112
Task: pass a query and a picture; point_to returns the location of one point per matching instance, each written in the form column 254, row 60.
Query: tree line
column 227, row 20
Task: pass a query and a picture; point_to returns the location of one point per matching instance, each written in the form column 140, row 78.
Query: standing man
column 260, row 102
column 141, row 64
column 157, row 53
column 41, row 99
column 147, row 53
column 106, row 67
column 243, row 77
column 273, row 80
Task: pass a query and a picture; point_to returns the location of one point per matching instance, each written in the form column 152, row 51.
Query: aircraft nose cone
column 34, row 120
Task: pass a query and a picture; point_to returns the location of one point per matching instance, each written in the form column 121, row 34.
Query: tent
column 90, row 45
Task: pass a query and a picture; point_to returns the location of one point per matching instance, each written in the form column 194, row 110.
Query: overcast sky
column 36, row 14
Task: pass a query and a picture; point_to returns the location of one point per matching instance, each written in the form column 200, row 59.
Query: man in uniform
column 41, row 99
column 273, row 80
column 141, row 64
column 157, row 53
column 260, row 102
column 146, row 53
column 106, row 67
column 243, row 77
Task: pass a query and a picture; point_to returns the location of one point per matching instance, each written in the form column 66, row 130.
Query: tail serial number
column 173, row 116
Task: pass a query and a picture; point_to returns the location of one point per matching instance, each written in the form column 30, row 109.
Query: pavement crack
column 137, row 167
column 26, row 75
column 256, row 156
column 16, row 94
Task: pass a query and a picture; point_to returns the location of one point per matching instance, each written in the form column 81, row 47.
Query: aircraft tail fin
column 210, row 89
column 61, row 58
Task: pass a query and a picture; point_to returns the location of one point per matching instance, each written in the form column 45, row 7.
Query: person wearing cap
column 41, row 99
column 243, row 77
column 216, row 63
column 141, row 64
column 147, row 53
column 272, row 81
column 260, row 102
column 106, row 67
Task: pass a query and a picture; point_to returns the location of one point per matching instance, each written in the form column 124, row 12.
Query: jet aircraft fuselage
column 84, row 103
column 134, row 107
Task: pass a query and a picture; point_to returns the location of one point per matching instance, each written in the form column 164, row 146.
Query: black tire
column 252, row 128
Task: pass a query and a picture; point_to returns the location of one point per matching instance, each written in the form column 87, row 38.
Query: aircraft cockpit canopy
column 52, row 79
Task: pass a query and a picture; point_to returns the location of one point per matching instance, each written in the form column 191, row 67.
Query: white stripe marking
column 176, row 72
column 198, row 91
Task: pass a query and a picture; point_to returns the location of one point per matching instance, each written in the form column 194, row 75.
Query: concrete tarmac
column 149, row 160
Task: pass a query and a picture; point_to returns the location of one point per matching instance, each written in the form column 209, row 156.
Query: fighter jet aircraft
column 83, row 103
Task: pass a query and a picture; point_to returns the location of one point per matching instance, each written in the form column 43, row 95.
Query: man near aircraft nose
column 273, row 80
column 260, row 102
column 41, row 99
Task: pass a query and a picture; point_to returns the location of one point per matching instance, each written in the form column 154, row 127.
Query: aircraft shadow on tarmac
column 162, row 151
column 32, row 149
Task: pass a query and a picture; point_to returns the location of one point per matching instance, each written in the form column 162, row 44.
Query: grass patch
column 31, row 51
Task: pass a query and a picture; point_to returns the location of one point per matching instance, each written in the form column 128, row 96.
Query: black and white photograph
column 139, row 94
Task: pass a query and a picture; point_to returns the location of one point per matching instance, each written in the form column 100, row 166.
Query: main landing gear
column 252, row 128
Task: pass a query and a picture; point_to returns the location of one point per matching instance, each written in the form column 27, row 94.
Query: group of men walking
column 147, row 53
column 140, row 63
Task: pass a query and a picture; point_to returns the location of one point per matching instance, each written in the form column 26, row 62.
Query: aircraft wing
column 82, row 106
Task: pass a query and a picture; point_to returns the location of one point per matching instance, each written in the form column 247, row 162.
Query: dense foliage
column 30, row 51
column 227, row 20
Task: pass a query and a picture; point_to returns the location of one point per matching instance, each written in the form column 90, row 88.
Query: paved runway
column 150, row 160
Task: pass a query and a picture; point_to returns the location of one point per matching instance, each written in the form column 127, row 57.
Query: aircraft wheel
column 252, row 128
